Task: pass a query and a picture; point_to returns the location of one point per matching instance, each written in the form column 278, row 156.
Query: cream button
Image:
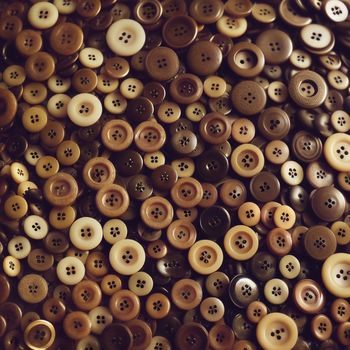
column 114, row 230
column 70, row 270
column 337, row 151
column 86, row 233
column 84, row 109
column 43, row 15
column 19, row 247
column 100, row 318
column 35, row 227
column 125, row 37
column 91, row 57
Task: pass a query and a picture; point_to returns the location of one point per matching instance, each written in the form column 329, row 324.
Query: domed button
column 47, row 334
column 186, row 88
column 321, row 327
column 276, row 291
column 265, row 187
column 289, row 266
column 117, row 67
column 164, row 177
column 263, row 266
column 212, row 165
column 179, row 31
column 277, row 330
column 276, row 45
column 40, row 66
column 187, row 192
column 192, row 336
column 307, row 89
column 217, row 283
column 215, row 221
column 328, row 203
column 274, row 123
column 306, row 146
column 40, row 260
column 340, row 310
column 139, row 187
column 204, row 58
column 337, row 151
column 243, row 290
column 149, row 136
column 308, row 296
column 123, row 341
column 139, row 109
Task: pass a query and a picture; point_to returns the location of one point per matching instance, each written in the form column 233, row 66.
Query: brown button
column 54, row 310
column 204, row 58
column 148, row 12
column 238, row 288
column 88, row 8
column 319, row 242
column 84, row 80
column 139, row 109
column 265, row 187
column 54, row 242
column 60, row 189
column 246, row 59
column 233, row 193
column 3, row 326
column 187, row 192
column 86, row 295
column 319, row 174
column 205, row 14
column 256, row 310
column 98, row 172
column 139, row 187
column 124, row 305
column 237, row 8
column 276, row 45
column 5, row 289
column 192, row 336
column 32, row 288
column 110, row 284
column 125, row 339
column 12, row 313
column 321, row 327
column 77, row 325
column 215, row 128
column 279, row 241
column 328, row 203
column 291, row 15
column 248, row 97
column 156, row 212
column 162, row 63
column 308, row 296
column 112, row 200
column 181, row 234
column 306, row 146
column 186, row 88
column 157, row 306
column 221, row 337
column 9, row 107
column 340, row 310
column 179, row 31
column 184, row 142
column 149, row 136
column 28, row 42
column 164, row 177
column 186, row 294
column 155, row 92
column 274, row 123
column 53, row 134
column 40, row 260
column 117, row 67
column 129, row 162
column 40, row 66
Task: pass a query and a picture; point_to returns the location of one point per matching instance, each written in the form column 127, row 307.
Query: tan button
column 77, row 325
column 106, row 84
column 125, row 37
column 184, row 167
column 32, row 288
column 292, row 173
column 47, row 167
column 232, row 27
column 28, row 42
column 157, row 306
column 316, row 37
column 86, row 295
column 256, row 310
column 321, row 327
column 289, row 266
column 279, row 241
column 181, row 234
column 42, row 15
column 14, row 75
column 338, row 80
column 115, row 102
column 58, row 85
column 40, row 260
column 91, row 57
column 100, row 318
column 11, row 266
column 124, row 305
column 249, row 214
column 205, row 257
column 187, row 192
column 70, row 270
column 19, row 172
column 233, row 193
column 337, row 151
column 114, row 230
column 341, row 231
column 277, row 152
column 131, row 88
column 46, row 333
column 84, row 80
column 186, row 294
column 214, row 86
column 127, row 256
column 98, row 172
column 57, row 105
column 243, row 130
column 110, row 284
column 308, row 296
column 168, row 112
column 212, row 309
column 35, row 227
column 53, row 134
column 284, row 217
column 247, row 160
column 263, row 13
column 159, row 341
column 340, row 121
column 149, row 136
column 156, row 212
column 300, row 59
column 117, row 135
column 140, row 283
column 19, row 247
column 15, row 207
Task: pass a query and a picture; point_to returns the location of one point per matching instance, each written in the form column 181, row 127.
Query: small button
column 140, row 283
column 68, row 153
column 291, row 16
column 292, row 173
column 204, row 14
column 99, row 172
column 319, row 175
column 233, row 193
column 215, row 128
column 341, row 231
column 8, row 100
column 35, row 227
column 265, row 187
column 70, row 270
column 212, row 165
column 40, row 260
column 110, row 284
column 124, row 305
column 306, row 146
column 232, row 27
column 215, row 221
column 173, row 265
column 321, row 327
column 32, row 288
column 212, row 309
column 340, row 310
column 243, row 290
column 187, row 192
column 40, row 66
column 284, row 217
column 274, row 123
column 156, row 212
column 100, row 319
column 217, row 283
column 149, row 136
column 263, row 13
column 15, row 207
column 117, row 67
column 221, row 337
column 148, row 12
column 256, row 310
column 289, row 266
column 186, row 88
column 276, row 291
column 181, row 234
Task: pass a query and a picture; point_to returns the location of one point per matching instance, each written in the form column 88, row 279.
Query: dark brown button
column 215, row 128
column 242, row 328
column 102, row 21
column 184, row 142
column 223, row 42
column 8, row 104
column 54, row 310
column 319, row 242
column 328, row 203
column 40, row 260
column 248, row 97
column 263, row 266
column 84, row 80
column 162, row 63
column 12, row 313
column 174, row 265
column 215, row 221
column 306, row 146
column 191, row 336
column 3, row 326
column 179, row 31
column 212, row 165
column 140, row 187
column 265, row 187
column 123, row 341
column 10, row 26
column 139, row 109
column 129, row 162
column 40, row 66
column 186, row 88
column 148, row 12
column 204, row 58
column 55, row 242
column 205, row 14
column 274, row 123
column 5, row 289
column 155, row 92
column 308, row 296
column 164, row 177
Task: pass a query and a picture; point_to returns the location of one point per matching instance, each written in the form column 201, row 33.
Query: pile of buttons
column 174, row 175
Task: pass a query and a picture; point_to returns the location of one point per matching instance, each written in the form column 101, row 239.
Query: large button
column 328, row 203
column 319, row 242
column 308, row 296
column 179, row 31
column 42, row 15
column 248, row 97
column 243, row 290
column 277, row 330
column 123, row 342
column 215, row 221
column 306, row 146
column 265, row 187
column 117, row 135
column 307, row 89
column 337, row 151
column 274, row 123
column 186, row 88
column 47, row 334
column 125, row 37
column 86, row 295
column 204, row 58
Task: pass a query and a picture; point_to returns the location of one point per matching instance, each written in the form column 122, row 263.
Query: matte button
column 308, row 296
column 129, row 162
column 158, row 306
column 319, row 242
column 221, row 337
column 233, row 193
column 184, row 142
column 263, row 266
column 47, row 334
column 204, row 14
column 187, row 192
column 181, row 234
column 186, row 88
column 164, row 177
column 32, row 288
column 70, row 270
column 243, row 290
column 215, row 128
column 192, row 336
column 110, row 342
column 139, row 187
column 212, row 165
column 173, row 265
column 156, row 212
column 149, row 136
column 77, row 325
column 319, row 175
column 117, row 67
column 306, row 146
column 337, row 151
column 265, row 187
column 274, row 123
column 124, row 305
column 215, row 221
column 40, row 260
column 86, row 295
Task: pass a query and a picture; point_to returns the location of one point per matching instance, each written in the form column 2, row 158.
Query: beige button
column 57, row 105
column 131, row 88
column 337, row 79
column 42, row 15
column 159, row 343
column 300, row 59
column 32, row 288
column 277, row 331
column 241, row 242
column 15, row 207
column 243, row 130
column 168, row 112
column 284, row 217
column 335, row 10
column 214, row 86
column 89, row 342
column 115, row 102
column 344, row 180
column 125, row 37
column 195, row 111
column 106, row 84
column 289, row 266
column 232, row 27
column 84, row 109
column 70, row 270
column 277, row 152
column 46, row 167
column 35, row 227
column 316, row 36
column 114, row 230
column 19, row 172
column 58, row 85
column 337, row 151
column 217, row 283
column 65, row 7
column 100, row 317
column 278, row 92
column 127, row 256
column 34, row 93
column 212, row 309
column 340, row 121
column 141, row 283
column 205, row 257
column 292, row 173
column 86, row 233
column 341, row 231
column 91, row 57
column 33, row 154
column 11, row 266
column 184, row 167
column 263, row 13
column 19, row 247
column 14, row 75
column 276, row 291
column 249, row 214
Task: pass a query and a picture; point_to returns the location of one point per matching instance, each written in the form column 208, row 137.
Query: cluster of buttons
column 174, row 174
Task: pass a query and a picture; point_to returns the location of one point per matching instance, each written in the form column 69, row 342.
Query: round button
column 123, row 341
column 86, row 295
column 9, row 103
column 125, row 37
column 274, row 123
column 256, row 310
column 212, row 165
column 181, row 234
column 47, row 334
column 284, row 217
column 77, row 325
column 279, row 241
column 340, row 310
column 40, row 66
column 141, row 283
column 316, row 37
column 233, row 193
column 217, row 283
column 289, row 266
column 276, row 330
column 337, row 151
column 215, row 128
column 192, row 336
column 265, row 187
column 124, row 305
column 232, row 27
column 164, row 177
column 42, row 15
column 32, row 288
column 186, row 88
column 100, row 319
column 306, row 146
column 156, row 212
column 215, row 221
column 321, row 327
column 158, row 306
column 187, row 192
column 70, row 270
column 149, row 136
column 308, row 296
column 243, row 290
column 243, row 130
column 341, row 231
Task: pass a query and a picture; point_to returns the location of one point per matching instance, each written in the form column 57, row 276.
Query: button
column 205, row 257
column 308, row 296
column 47, row 334
column 340, row 121
column 108, row 339
column 342, row 332
column 233, row 193
column 100, row 319
column 243, row 290
column 212, row 165
column 249, row 214
column 292, row 173
column 317, row 37
column 217, row 283
column 9, row 102
column 221, row 337
column 42, row 15
column 187, row 192
column 66, row 38
column 32, row 288
column 265, row 187
column 337, row 151
column 341, row 231
column 215, row 128
column 40, row 260
column 181, row 234
column 276, row 330
column 184, row 142
column 88, row 9
column 308, row 89
column 99, row 172
column 248, row 97
column 210, row 195
column 289, row 266
column 77, row 325
column 191, row 336
column 335, row 10
column 129, row 162
column 70, row 270
column 284, row 217
column 124, row 305
column 149, row 12
column 186, row 88
column 86, row 295
column 110, row 284
column 319, row 175
column 155, row 92
column 204, row 14
column 214, row 86
column 164, row 177
column 319, row 242
column 274, row 123
column 204, row 58
column 157, row 306
column 321, row 327
column 68, row 153
column 232, row 27
column 35, row 227
column 55, row 242
column 263, row 13
column 15, row 207
column 5, row 289
column 156, row 212
column 328, row 203
column 291, row 16
column 40, row 66
column 212, row 309
column 149, row 136
column 247, row 160
column 215, row 221
column 140, row 283
column 173, row 265
column 279, row 241
column 256, row 310
column 340, row 310
column 84, row 80
column 246, row 59
column 306, row 146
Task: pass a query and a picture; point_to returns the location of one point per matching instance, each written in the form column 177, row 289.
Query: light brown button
column 186, row 294
column 117, row 67
column 40, row 260
column 124, row 305
column 290, row 15
column 32, row 288
column 256, row 310
column 149, row 136
column 110, row 284
column 308, row 296
column 321, row 327
column 156, row 212
column 187, row 192
column 232, row 27
column 341, row 231
column 217, row 283
column 68, row 152
column 77, row 325
column 340, row 310
column 181, row 234
column 86, row 295
column 157, row 306
column 98, row 172
column 40, row 66
column 233, row 193
column 15, row 207
column 9, row 103
column 279, row 241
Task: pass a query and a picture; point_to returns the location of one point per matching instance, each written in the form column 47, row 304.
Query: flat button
column 215, row 128
column 276, row 291
column 231, row 26
column 77, row 325
column 308, row 296
column 179, row 31
column 124, row 305
column 129, row 162
column 319, row 175
column 40, row 260
column 86, row 295
column 215, row 221
column 319, row 242
column 274, row 123
column 155, row 92
column 204, row 58
column 139, row 187
column 117, row 67
column 149, row 12
column 264, row 187
column 221, row 337
column 149, row 136
column 328, row 203
column 321, row 327
column 139, row 109
column 141, row 283
column 337, row 151
column 276, row 330
column 217, row 283
column 316, row 36
column 70, row 270
column 158, row 306
column 125, row 37
column 42, row 15
column 204, row 14
column 186, row 88
column 307, row 89
column 306, row 146
column 32, row 288
column 164, row 177
column 209, row 304
column 184, row 142
column 340, row 121
column 256, row 310
column 340, row 310
column 248, row 97
column 84, row 80
column 54, row 242
column 100, row 319
column 243, row 290
column 212, row 165
column 173, row 265
column 40, row 66
column 233, row 193
column 10, row 27
column 276, row 45
column 192, row 336
column 123, row 342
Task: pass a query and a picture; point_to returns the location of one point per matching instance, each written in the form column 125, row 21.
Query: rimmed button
column 341, row 231
column 148, row 12
column 265, row 187
column 192, row 336
column 77, row 325
column 321, row 327
column 215, row 128
column 158, row 306
column 274, row 123
column 186, row 294
column 32, row 288
column 117, row 67
column 181, row 234
column 233, row 193
column 179, row 31
column 215, row 221
column 15, row 207
column 231, row 26
column 308, row 296
column 186, row 88
column 221, row 337
column 243, row 290
column 337, row 151
column 247, row 160
column 123, row 342
column 293, row 17
column 40, row 66
column 86, row 295
column 47, row 334
column 10, row 27
column 129, row 162
column 124, row 305
column 156, row 212
column 212, row 165
column 187, row 192
column 284, row 217
column 205, row 257
column 149, row 136
column 139, row 187
column 99, row 172
column 279, row 241
column 204, row 14
column 306, row 146
column 340, row 310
